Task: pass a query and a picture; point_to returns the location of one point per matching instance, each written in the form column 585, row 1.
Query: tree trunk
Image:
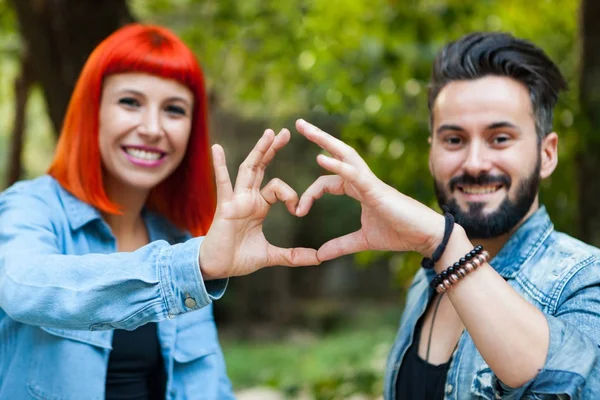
column 22, row 85
column 60, row 35
column 589, row 97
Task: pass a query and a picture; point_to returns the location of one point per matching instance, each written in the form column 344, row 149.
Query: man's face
column 485, row 158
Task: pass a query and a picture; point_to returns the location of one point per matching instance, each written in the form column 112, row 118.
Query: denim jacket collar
column 523, row 243
column 80, row 214
column 554, row 272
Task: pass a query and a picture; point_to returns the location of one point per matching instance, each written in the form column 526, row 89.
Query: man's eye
column 129, row 101
column 176, row 110
column 501, row 139
column 453, row 140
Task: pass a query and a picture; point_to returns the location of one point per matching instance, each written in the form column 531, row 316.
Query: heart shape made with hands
column 235, row 243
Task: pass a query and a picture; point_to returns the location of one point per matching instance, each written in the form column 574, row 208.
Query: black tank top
column 418, row 379
column 135, row 366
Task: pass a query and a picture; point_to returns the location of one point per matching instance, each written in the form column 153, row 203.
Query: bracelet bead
column 460, row 269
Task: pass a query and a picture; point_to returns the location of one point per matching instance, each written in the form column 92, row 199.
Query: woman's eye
column 172, row 109
column 129, row 101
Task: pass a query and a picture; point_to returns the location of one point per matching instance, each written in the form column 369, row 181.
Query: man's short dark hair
column 494, row 53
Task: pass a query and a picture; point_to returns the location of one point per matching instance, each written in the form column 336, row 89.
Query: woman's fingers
column 251, row 165
column 277, row 190
column 294, row 257
column 222, row 179
column 282, row 138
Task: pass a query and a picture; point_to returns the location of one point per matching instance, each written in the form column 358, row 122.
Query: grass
column 349, row 361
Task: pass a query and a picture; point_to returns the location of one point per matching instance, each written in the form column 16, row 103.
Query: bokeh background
column 357, row 68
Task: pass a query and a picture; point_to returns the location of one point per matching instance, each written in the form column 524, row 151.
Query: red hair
column 187, row 196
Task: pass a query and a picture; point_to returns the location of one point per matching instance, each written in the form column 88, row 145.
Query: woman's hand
column 389, row 219
column 235, row 244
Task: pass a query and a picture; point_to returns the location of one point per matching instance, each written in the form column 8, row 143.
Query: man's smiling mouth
column 479, row 189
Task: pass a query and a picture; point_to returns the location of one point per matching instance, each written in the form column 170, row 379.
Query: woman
column 107, row 264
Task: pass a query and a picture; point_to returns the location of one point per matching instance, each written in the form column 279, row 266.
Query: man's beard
column 485, row 226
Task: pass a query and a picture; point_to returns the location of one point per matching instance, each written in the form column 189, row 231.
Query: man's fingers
column 343, row 245
column 222, row 179
column 277, row 190
column 360, row 179
column 294, row 257
column 334, row 146
column 332, row 184
column 251, row 165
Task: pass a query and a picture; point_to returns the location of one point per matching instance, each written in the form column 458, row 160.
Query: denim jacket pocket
column 482, row 385
column 197, row 359
column 68, row 364
column 188, row 349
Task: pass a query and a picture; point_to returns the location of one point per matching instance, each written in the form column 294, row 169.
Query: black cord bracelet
column 428, row 263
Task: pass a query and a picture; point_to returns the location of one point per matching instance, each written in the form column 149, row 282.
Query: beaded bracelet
column 467, row 264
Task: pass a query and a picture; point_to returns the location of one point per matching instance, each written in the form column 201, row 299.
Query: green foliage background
column 364, row 67
column 364, row 64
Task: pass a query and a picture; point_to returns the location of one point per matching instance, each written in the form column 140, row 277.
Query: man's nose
column 477, row 160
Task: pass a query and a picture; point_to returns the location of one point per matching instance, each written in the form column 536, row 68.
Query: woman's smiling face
column 145, row 124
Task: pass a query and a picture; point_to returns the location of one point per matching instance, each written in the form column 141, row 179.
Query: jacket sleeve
column 39, row 285
column 572, row 368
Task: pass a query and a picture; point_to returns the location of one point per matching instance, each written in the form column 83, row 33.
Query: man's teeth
column 143, row 154
column 479, row 189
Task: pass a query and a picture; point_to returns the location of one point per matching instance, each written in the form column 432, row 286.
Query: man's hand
column 390, row 220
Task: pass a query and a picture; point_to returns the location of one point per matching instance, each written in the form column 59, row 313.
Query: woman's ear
column 549, row 154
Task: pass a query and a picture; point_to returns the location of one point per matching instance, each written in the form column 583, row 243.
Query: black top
column 418, row 379
column 135, row 366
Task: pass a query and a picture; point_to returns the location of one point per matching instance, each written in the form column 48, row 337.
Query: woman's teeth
column 143, row 154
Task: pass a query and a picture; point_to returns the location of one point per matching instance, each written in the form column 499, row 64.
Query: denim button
column 449, row 389
column 190, row 302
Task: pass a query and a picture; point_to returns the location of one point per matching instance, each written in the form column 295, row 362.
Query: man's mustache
column 480, row 180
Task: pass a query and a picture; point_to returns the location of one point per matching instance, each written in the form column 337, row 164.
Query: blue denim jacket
column 559, row 275
column 63, row 288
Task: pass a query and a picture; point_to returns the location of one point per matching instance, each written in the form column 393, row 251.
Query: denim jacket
column 64, row 288
column 560, row 276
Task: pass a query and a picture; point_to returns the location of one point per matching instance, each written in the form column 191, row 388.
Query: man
column 524, row 325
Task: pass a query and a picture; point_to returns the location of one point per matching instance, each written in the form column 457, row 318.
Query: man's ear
column 429, row 156
column 549, row 154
